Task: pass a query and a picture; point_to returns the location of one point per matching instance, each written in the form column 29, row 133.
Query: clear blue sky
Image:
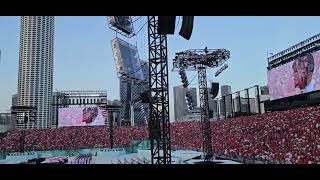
column 83, row 57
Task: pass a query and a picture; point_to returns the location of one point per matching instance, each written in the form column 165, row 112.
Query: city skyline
column 83, row 55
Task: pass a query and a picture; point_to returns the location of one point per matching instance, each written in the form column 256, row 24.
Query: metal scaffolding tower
column 159, row 123
column 199, row 60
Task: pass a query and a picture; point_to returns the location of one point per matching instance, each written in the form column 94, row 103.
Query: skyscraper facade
column 14, row 100
column 180, row 104
column 132, row 109
column 140, row 110
column 35, row 78
column 225, row 90
column 225, row 103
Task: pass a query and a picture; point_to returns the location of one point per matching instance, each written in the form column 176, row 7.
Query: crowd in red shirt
column 70, row 138
column 290, row 136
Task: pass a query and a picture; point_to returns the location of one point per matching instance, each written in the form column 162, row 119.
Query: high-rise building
column 140, row 110
column 222, row 108
column 115, row 115
column 14, row 100
column 35, row 76
column 180, row 105
column 227, row 100
column 133, row 110
column 225, row 90
column 214, row 108
column 5, row 122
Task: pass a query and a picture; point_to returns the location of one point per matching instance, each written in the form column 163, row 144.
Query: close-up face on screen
column 296, row 77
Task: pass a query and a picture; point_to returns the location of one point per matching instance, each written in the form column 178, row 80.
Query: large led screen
column 85, row 116
column 127, row 59
column 296, row 77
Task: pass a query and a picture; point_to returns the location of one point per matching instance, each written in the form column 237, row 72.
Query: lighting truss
column 191, row 59
column 224, row 67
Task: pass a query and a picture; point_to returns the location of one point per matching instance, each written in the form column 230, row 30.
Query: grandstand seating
column 291, row 136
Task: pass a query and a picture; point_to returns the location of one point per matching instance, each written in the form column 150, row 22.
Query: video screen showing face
column 89, row 114
column 86, row 116
column 296, row 77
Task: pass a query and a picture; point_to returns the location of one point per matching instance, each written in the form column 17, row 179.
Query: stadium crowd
column 70, row 138
column 291, row 136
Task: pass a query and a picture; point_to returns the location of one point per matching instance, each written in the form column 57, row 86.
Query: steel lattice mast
column 199, row 60
column 159, row 123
